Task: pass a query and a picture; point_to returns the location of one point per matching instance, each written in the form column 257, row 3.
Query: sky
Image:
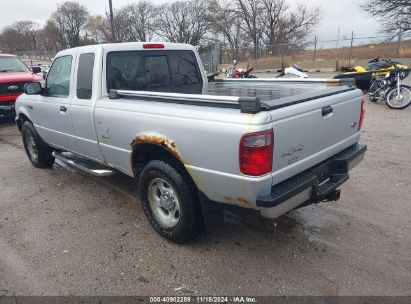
column 343, row 14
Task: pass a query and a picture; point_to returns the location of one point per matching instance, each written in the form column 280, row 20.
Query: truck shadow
column 239, row 226
column 243, row 244
column 244, row 233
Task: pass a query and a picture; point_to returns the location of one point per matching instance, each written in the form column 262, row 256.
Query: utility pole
column 315, row 47
column 336, row 49
column 399, row 43
column 352, row 41
column 338, row 36
column 113, row 33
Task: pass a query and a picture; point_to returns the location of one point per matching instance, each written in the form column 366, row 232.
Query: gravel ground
column 63, row 232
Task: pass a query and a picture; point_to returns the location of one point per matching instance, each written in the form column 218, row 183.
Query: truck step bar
column 83, row 164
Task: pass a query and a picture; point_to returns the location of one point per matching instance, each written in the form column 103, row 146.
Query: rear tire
column 38, row 152
column 372, row 98
column 170, row 202
column 401, row 103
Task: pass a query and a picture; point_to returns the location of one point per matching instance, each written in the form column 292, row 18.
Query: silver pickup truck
column 147, row 110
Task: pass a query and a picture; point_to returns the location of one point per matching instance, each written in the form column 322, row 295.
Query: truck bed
column 277, row 93
column 264, row 89
column 249, row 95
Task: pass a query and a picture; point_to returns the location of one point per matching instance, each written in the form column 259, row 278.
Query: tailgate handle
column 327, row 110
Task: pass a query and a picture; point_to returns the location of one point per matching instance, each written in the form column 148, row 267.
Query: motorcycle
column 294, row 71
column 390, row 89
column 234, row 72
column 375, row 67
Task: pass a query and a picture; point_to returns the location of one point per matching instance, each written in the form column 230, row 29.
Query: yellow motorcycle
column 375, row 67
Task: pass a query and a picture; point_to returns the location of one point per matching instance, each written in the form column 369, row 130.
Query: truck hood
column 6, row 77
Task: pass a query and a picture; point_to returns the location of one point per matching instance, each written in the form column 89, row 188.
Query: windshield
column 12, row 64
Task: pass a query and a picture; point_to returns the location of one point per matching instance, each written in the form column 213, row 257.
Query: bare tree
column 9, row 40
column 394, row 14
column 20, row 36
column 271, row 19
column 249, row 12
column 122, row 24
column 141, row 18
column 98, row 29
column 273, row 23
column 228, row 24
column 49, row 38
column 238, row 23
column 301, row 23
column 296, row 27
column 184, row 21
column 29, row 30
column 71, row 19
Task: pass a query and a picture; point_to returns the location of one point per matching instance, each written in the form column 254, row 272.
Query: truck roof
column 7, row 55
column 130, row 46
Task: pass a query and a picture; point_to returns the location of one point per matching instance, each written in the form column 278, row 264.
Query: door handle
column 63, row 109
column 327, row 110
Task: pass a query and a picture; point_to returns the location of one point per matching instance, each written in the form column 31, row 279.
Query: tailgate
column 307, row 133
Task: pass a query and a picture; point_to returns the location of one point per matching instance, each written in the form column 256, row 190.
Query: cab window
column 184, row 71
column 58, row 78
column 85, row 76
column 157, row 71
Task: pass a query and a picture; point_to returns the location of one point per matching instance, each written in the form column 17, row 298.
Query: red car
column 14, row 74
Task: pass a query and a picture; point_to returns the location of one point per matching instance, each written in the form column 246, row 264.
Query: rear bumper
column 318, row 183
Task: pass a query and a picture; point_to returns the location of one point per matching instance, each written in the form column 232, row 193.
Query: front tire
column 399, row 102
column 38, row 152
column 170, row 202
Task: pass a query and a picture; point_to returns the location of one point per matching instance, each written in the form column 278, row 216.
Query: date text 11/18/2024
column 203, row 299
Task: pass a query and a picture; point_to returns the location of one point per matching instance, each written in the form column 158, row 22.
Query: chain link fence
column 211, row 59
column 315, row 55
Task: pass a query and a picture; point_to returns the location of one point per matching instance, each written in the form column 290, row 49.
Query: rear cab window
column 157, row 71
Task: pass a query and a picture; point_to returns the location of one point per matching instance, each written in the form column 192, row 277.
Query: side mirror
column 36, row 69
column 33, row 88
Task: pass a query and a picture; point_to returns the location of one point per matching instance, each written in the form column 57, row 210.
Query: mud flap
column 213, row 213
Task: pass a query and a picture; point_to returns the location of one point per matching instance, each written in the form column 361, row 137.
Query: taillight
column 256, row 153
column 361, row 115
column 153, row 46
